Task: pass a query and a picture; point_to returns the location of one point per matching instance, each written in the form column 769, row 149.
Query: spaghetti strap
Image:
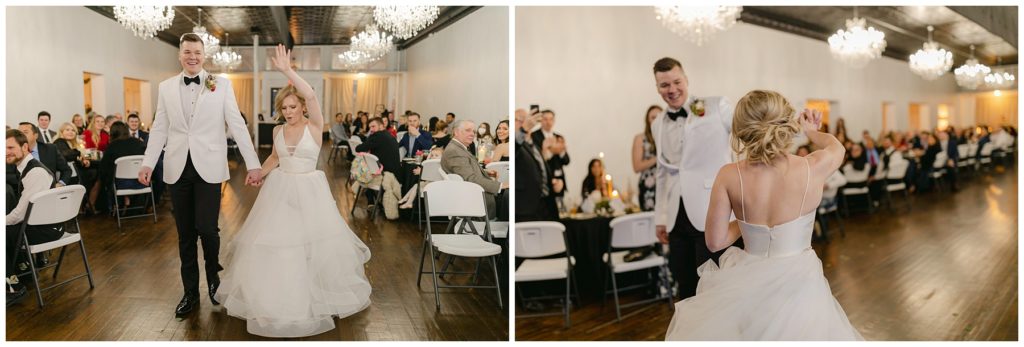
column 742, row 204
column 806, row 185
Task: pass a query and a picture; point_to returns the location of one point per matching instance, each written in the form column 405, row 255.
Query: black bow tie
column 189, row 80
column 675, row 115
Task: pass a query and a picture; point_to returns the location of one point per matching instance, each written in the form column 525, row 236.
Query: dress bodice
column 786, row 239
column 300, row 159
column 782, row 240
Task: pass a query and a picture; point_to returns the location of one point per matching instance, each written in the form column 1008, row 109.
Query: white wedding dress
column 773, row 289
column 295, row 264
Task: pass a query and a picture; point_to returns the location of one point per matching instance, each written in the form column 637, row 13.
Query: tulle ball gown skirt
column 759, row 298
column 295, row 264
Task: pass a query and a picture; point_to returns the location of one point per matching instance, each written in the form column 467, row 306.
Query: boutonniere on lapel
column 211, row 82
column 697, row 107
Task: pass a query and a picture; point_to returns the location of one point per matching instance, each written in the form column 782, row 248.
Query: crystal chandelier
column 931, row 62
column 354, row 60
column 210, row 43
column 999, row 80
column 971, row 74
column 697, row 23
column 376, row 44
column 856, row 46
column 144, row 21
column 405, row 21
column 227, row 58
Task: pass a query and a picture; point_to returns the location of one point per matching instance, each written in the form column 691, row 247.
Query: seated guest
column 96, row 137
column 46, row 135
column 594, row 183
column 109, row 121
column 432, row 124
column 121, row 145
column 389, row 126
column 459, row 160
column 500, row 142
column 856, row 161
column 361, row 124
column 415, row 139
column 338, row 132
column 33, row 177
column 67, row 145
column 930, row 150
column 78, row 122
column 381, row 144
column 949, row 145
column 134, row 131
column 46, row 153
column 440, row 135
column 483, row 136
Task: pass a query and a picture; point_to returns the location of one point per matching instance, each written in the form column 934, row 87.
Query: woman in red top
column 95, row 137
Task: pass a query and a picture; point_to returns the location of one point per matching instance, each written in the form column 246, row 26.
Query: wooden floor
column 945, row 271
column 138, row 284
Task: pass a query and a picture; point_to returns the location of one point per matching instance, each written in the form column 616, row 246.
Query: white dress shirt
column 35, row 181
column 190, row 93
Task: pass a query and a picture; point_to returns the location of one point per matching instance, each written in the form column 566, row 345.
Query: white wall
column 462, row 69
column 48, row 49
column 592, row 66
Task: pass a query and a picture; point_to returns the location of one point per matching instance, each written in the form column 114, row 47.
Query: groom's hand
column 144, row 175
column 662, row 233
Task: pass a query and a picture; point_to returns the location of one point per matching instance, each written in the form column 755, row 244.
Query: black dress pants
column 196, row 209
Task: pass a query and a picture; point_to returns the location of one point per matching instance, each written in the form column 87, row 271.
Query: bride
column 774, row 288
column 295, row 263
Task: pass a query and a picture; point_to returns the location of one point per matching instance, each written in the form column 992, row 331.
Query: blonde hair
column 96, row 135
column 74, row 140
column 284, row 93
column 763, row 126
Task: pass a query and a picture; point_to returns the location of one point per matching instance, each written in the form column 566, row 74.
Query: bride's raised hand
column 810, row 120
column 282, row 59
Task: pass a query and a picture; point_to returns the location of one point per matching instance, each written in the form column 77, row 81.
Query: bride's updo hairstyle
column 763, row 126
column 285, row 92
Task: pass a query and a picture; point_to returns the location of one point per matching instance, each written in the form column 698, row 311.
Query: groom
column 692, row 138
column 191, row 112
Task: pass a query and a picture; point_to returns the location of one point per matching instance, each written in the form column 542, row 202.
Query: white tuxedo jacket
column 691, row 173
column 202, row 134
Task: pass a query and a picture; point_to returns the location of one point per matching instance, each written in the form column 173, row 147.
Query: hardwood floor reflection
column 947, row 270
column 138, row 284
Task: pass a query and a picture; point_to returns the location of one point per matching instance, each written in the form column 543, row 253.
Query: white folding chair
column 449, row 176
column 400, row 134
column 128, row 168
column 371, row 160
column 336, row 146
column 502, row 168
column 856, row 177
column 535, row 242
column 459, row 201
column 894, row 181
column 54, row 206
column 985, row 156
column 632, row 231
column 430, row 171
column 939, row 170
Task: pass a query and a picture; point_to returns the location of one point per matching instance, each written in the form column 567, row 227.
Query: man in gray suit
column 459, row 160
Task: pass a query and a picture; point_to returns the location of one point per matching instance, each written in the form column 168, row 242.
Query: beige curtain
column 341, row 97
column 370, row 93
column 994, row 110
column 243, row 95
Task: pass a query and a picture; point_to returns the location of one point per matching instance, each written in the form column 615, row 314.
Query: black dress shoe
column 188, row 303
column 213, row 291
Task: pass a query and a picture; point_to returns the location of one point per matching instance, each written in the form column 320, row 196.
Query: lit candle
column 600, row 155
column 615, row 194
